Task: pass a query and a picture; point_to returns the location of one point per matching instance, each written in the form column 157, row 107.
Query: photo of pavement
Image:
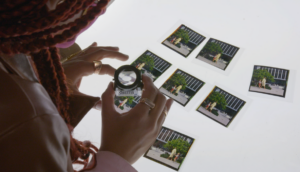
column 183, row 49
column 276, row 90
column 181, row 97
column 126, row 109
column 155, row 154
column 221, row 118
column 219, row 64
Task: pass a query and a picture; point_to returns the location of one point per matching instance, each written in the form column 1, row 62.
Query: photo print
column 170, row 148
column 124, row 104
column 221, row 106
column 183, row 40
column 217, row 53
column 269, row 80
column 181, row 87
column 151, row 65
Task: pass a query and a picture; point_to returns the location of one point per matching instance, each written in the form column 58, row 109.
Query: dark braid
column 27, row 27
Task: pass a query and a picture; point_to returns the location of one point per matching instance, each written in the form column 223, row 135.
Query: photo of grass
column 221, row 106
column 183, row 40
column 170, row 148
column 269, row 80
column 151, row 65
column 217, row 53
column 181, row 87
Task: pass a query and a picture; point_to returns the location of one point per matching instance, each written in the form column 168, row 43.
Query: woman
column 207, row 106
column 39, row 109
column 212, row 106
column 217, row 57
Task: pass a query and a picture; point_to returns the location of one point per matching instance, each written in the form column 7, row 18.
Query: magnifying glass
column 128, row 81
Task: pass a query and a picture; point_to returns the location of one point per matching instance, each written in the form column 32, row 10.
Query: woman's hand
column 131, row 134
column 82, row 65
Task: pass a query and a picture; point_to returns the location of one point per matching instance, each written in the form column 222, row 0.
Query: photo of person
column 183, row 40
column 170, row 148
column 221, row 106
column 126, row 103
column 151, row 65
column 217, row 53
column 181, row 87
column 269, row 80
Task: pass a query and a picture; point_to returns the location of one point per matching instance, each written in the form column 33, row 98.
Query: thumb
column 107, row 104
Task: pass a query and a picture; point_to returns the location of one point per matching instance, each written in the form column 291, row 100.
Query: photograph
column 183, row 40
column 269, row 80
column 151, row 65
column 181, row 87
column 124, row 104
column 217, row 53
column 170, row 148
column 221, row 106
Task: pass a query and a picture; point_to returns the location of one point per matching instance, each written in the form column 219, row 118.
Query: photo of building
column 183, row 40
column 151, row 65
column 181, row 87
column 170, row 148
column 217, row 53
column 269, row 80
column 221, row 106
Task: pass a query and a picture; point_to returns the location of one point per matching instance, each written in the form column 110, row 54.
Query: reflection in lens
column 127, row 77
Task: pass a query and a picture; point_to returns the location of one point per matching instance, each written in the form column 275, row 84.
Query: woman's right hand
column 131, row 134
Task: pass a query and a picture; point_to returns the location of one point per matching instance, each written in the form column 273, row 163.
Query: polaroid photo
column 181, row 87
column 151, row 65
column 269, row 80
column 221, row 106
column 124, row 104
column 170, row 148
column 217, row 53
column 183, row 40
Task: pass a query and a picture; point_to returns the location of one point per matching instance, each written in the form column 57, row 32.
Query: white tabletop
column 263, row 138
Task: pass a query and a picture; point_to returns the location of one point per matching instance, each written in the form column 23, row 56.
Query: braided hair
column 28, row 27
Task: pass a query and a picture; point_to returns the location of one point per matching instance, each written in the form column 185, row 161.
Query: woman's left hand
column 82, row 65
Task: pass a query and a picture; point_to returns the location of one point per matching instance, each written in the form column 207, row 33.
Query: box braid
column 27, row 27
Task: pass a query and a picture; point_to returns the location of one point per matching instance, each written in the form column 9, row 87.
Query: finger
column 164, row 114
column 150, row 92
column 159, row 107
column 98, row 105
column 107, row 70
column 107, row 105
column 102, row 54
column 88, row 68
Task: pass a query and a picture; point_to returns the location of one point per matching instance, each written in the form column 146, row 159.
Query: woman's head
column 34, row 28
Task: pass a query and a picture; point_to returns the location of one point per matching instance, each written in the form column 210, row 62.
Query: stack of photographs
column 181, row 87
column 217, row 53
column 269, row 80
column 170, row 148
column 183, row 40
column 221, row 106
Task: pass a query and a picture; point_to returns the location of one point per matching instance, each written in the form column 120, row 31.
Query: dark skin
column 129, row 134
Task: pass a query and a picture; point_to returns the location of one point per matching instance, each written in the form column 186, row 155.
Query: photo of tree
column 151, row 65
column 124, row 104
column 221, row 106
column 170, row 148
column 181, row 87
column 217, row 53
column 269, row 80
column 183, row 40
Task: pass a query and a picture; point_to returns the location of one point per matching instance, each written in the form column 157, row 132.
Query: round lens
column 127, row 77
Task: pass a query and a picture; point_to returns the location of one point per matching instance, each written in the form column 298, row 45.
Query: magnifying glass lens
column 127, row 77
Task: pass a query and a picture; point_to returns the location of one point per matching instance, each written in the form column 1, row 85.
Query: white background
column 266, row 135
